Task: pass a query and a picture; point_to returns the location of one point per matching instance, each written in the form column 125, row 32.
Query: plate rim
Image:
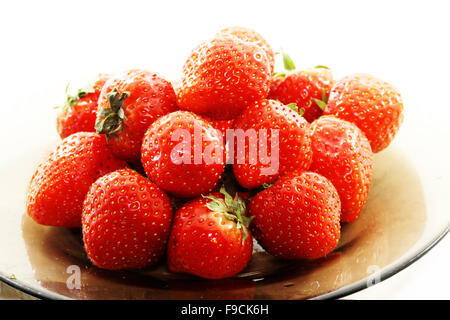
column 388, row 271
column 385, row 273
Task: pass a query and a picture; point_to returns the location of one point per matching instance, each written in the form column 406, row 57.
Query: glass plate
column 406, row 215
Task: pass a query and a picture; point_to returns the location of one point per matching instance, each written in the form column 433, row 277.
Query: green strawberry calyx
column 321, row 103
column 288, row 63
column 72, row 100
column 322, row 67
column 233, row 209
column 110, row 120
column 293, row 106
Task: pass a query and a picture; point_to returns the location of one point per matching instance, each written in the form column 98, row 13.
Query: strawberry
column 187, row 168
column 79, row 112
column 127, row 105
column 249, row 35
column 375, row 106
column 277, row 78
column 297, row 217
column 222, row 77
column 61, row 181
column 210, row 237
column 342, row 153
column 309, row 88
column 125, row 221
column 288, row 151
column 222, row 126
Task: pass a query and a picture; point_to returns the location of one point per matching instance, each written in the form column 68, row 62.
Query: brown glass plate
column 402, row 220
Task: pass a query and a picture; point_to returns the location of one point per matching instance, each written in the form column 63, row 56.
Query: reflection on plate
column 393, row 220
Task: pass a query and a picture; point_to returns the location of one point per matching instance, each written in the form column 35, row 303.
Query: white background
column 46, row 44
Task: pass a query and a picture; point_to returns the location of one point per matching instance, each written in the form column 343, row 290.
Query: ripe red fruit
column 127, row 105
column 309, row 89
column 210, row 237
column 222, row 77
column 373, row 105
column 222, row 126
column 61, row 181
column 293, row 146
column 126, row 221
column 183, row 154
column 249, row 35
column 342, row 153
column 297, row 217
column 79, row 112
column 274, row 83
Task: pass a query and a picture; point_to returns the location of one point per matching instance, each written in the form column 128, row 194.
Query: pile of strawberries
column 149, row 168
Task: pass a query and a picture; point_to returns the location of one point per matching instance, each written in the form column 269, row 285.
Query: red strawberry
column 61, row 181
column 183, row 154
column 308, row 89
column 222, row 77
column 373, row 105
column 297, row 217
column 342, row 153
column 222, row 126
column 126, row 221
column 275, row 82
column 79, row 112
column 128, row 104
column 293, row 146
column 249, row 35
column 210, row 237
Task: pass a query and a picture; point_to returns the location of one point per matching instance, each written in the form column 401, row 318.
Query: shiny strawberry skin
column 373, row 105
column 61, row 181
column 222, row 126
column 274, row 83
column 82, row 115
column 126, row 221
column 294, row 142
column 150, row 97
column 250, row 35
column 205, row 243
column 301, row 87
column 222, row 77
column 185, row 178
column 298, row 217
column 342, row 153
